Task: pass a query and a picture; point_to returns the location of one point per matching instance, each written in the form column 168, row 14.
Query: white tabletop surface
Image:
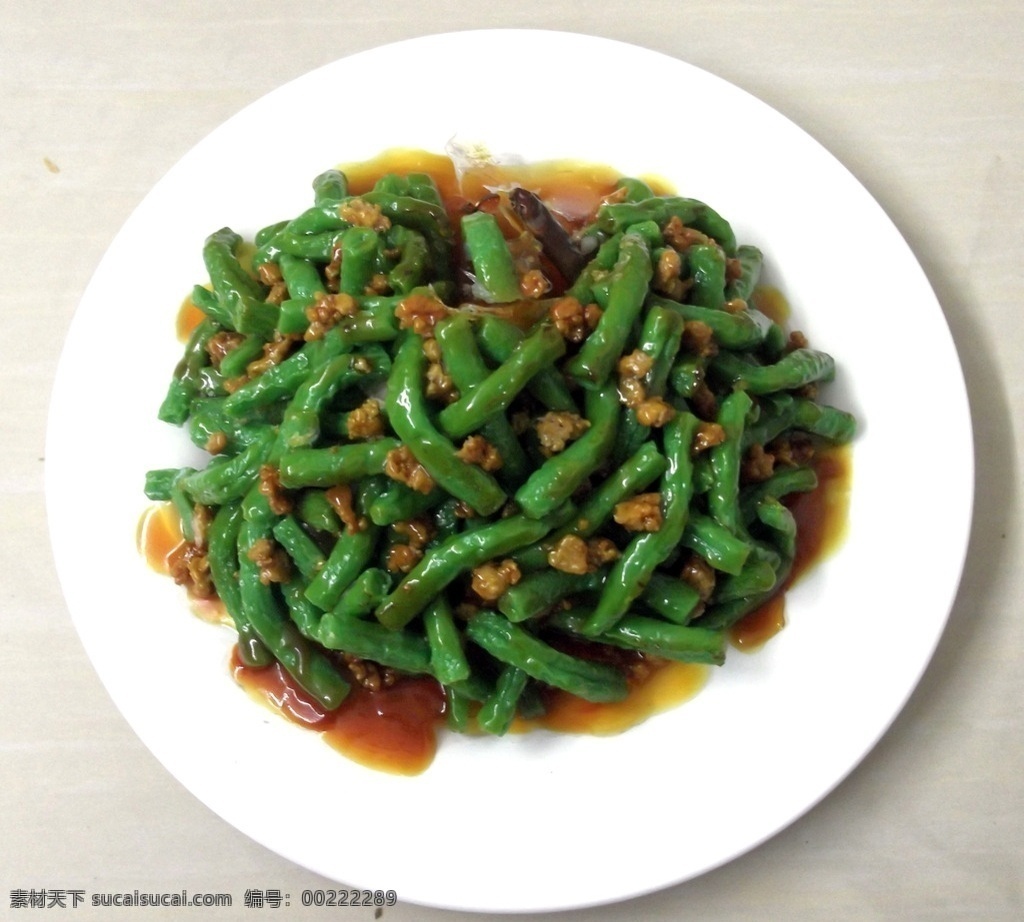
column 922, row 100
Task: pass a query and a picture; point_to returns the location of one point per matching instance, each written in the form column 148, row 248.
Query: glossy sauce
column 393, row 730
column 821, row 524
column 189, row 317
column 667, row 686
column 396, row 729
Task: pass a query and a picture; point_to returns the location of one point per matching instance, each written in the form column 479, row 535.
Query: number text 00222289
column 349, row 897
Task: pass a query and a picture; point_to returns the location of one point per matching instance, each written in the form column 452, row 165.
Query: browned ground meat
column 639, row 513
column 490, row 580
column 326, row 312
column 680, row 237
column 400, row 464
column 574, row 320
column 361, row 213
column 699, row 339
column 270, row 486
column 220, row 344
column 477, row 450
column 573, row 554
column 700, row 575
column 708, row 435
column 402, row 558
column 341, row 499
column 420, row 313
column 191, row 568
column 654, row 412
column 270, row 275
column 368, row 674
column 274, row 563
column 365, row 421
column 557, row 428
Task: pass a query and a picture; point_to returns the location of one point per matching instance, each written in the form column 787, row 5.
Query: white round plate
column 538, row 821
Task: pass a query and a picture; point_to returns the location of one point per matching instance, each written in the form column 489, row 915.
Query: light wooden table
column 923, row 101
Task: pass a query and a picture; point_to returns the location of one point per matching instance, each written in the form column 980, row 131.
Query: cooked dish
column 484, row 441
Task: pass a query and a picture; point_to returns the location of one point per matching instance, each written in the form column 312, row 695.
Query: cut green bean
column 515, row 646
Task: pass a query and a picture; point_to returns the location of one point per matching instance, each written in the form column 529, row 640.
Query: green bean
column 368, row 640
column 315, row 510
column 320, row 247
column 683, row 643
column 185, row 382
column 352, row 553
column 301, row 424
column 283, row 379
column 496, row 278
column 407, row 410
column 304, row 552
column 537, row 592
column 399, row 502
column 798, row 368
column 234, row 364
column 429, row 218
column 561, row 474
column 499, row 710
column 467, row 369
column 725, row 459
column 303, row 613
column 756, row 577
column 493, row 395
column 634, row 190
column 750, row 259
column 707, row 267
column 743, row 329
column 363, row 594
column 718, row 545
column 227, row 479
column 303, row 662
column 621, row 215
column 222, row 557
column 633, row 476
column 327, row 467
column 160, row 481
column 240, row 296
column 687, row 375
column 358, row 259
column 498, row 339
column 672, row 598
column 594, row 272
column 601, row 350
column 782, row 483
column 209, row 423
column 301, row 276
column 445, row 562
column 822, row 420
column 457, row 710
column 412, row 266
column 632, row 571
column 330, row 188
column 513, row 645
column 660, row 337
column 447, row 657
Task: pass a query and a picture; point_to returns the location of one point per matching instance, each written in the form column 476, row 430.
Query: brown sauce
column 396, row 729
column 393, row 730
column 821, row 524
column 189, row 317
column 668, row 685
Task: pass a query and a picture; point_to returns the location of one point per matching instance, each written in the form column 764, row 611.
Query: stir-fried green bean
column 510, row 454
